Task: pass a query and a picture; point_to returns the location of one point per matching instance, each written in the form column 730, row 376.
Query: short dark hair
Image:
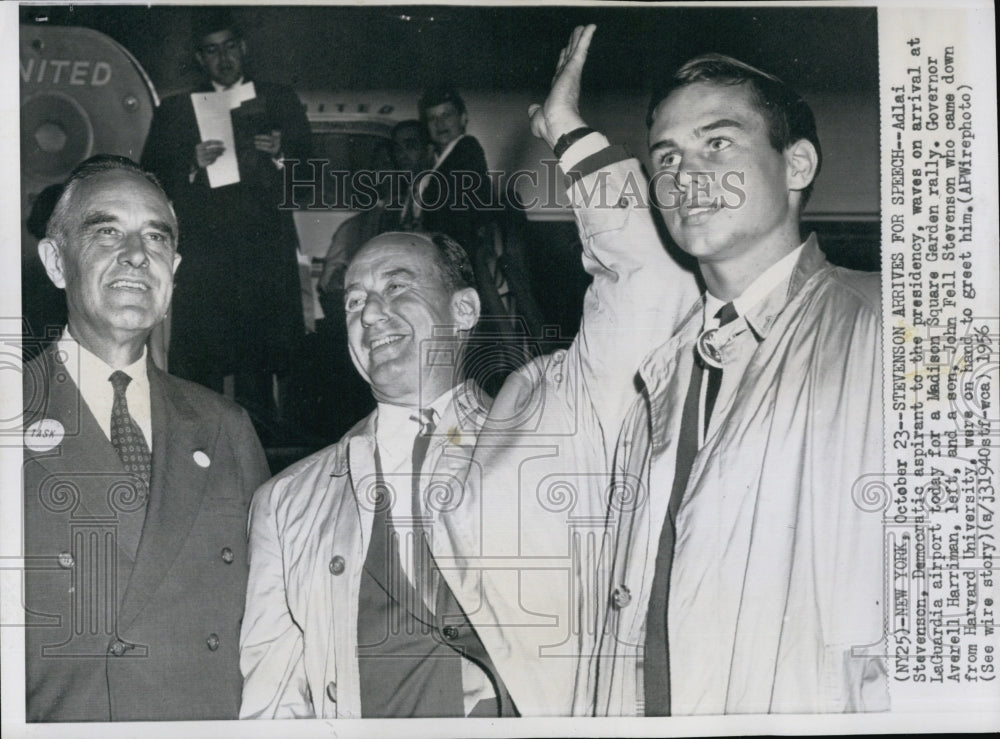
column 789, row 118
column 438, row 95
column 452, row 261
column 41, row 210
column 207, row 21
column 58, row 225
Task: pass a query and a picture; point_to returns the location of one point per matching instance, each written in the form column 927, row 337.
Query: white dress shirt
column 757, row 290
column 91, row 374
column 396, row 428
column 746, row 305
column 223, row 88
column 414, row 202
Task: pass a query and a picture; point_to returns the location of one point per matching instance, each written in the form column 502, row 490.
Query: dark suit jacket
column 464, row 171
column 237, row 303
column 179, row 606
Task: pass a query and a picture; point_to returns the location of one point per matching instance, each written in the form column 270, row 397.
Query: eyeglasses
column 228, row 46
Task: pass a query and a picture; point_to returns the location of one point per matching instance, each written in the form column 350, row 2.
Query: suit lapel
column 176, row 488
column 84, row 450
column 361, row 466
column 448, row 461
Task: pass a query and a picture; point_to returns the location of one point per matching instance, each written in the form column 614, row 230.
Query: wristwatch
column 568, row 139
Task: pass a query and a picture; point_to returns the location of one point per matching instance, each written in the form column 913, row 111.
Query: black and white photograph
column 562, row 369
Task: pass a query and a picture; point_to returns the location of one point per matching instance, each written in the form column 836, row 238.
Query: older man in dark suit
column 238, row 306
column 136, row 483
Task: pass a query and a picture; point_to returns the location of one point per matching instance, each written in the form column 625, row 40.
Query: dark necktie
column 656, row 664
column 422, row 567
column 710, row 355
column 128, row 441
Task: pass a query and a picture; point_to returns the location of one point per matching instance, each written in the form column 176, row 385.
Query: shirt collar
column 91, row 374
column 400, row 420
column 223, row 88
column 654, row 366
column 762, row 300
column 87, row 369
column 447, row 150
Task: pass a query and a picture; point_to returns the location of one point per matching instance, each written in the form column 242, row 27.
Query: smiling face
column 726, row 193
column 445, row 124
column 395, row 295
column 221, row 55
column 116, row 259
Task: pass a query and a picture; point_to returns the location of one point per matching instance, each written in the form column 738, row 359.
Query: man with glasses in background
column 235, row 234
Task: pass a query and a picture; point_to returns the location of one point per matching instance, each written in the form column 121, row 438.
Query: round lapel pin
column 707, row 350
column 43, row 435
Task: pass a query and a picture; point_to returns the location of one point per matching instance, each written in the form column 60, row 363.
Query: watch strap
column 568, row 139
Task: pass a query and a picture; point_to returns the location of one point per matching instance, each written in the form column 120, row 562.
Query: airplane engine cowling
column 81, row 94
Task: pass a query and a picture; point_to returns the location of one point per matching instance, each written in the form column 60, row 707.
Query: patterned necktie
column 126, row 436
column 422, row 559
column 128, row 441
column 725, row 315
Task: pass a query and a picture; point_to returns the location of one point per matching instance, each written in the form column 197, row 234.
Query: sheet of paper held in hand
column 212, row 109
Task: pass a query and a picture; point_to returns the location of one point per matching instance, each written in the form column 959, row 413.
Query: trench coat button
column 117, row 648
column 623, row 202
column 66, row 560
column 450, row 632
column 227, row 555
column 621, row 597
column 337, row 565
column 212, row 641
column 331, row 691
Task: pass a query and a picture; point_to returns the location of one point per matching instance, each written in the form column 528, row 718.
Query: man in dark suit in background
column 457, row 198
column 136, row 483
column 238, row 307
column 453, row 199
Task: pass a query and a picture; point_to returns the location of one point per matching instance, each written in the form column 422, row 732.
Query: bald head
column 405, row 294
